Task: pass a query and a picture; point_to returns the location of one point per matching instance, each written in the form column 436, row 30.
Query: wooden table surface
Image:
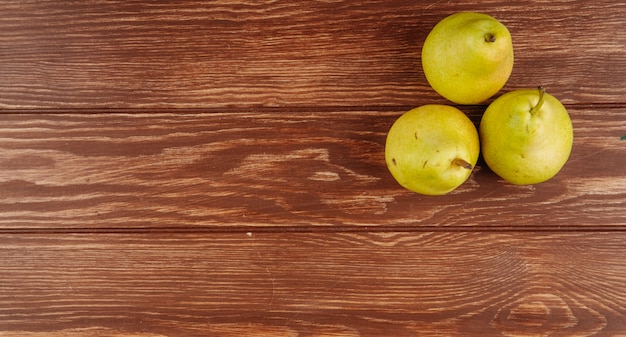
column 189, row 168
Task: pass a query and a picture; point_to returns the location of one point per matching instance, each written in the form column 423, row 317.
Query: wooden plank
column 328, row 284
column 300, row 169
column 193, row 54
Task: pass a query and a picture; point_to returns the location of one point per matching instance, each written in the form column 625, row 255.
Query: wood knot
column 544, row 315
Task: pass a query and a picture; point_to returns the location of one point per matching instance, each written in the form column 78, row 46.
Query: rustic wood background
column 190, row 168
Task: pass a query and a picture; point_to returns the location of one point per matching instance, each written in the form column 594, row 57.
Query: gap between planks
column 319, row 229
column 271, row 110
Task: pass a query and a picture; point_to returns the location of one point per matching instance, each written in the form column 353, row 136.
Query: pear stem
column 536, row 108
column 490, row 38
column 462, row 163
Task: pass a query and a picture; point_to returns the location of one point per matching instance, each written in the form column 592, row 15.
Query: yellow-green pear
column 468, row 57
column 526, row 136
column 432, row 149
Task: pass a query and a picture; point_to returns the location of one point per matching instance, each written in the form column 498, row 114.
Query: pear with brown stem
column 526, row 136
column 468, row 57
column 432, row 149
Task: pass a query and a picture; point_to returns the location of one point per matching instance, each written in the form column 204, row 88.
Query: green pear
column 432, row 149
column 526, row 136
column 468, row 57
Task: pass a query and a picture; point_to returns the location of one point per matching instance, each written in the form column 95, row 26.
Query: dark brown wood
column 359, row 284
column 194, row 168
column 192, row 54
column 96, row 171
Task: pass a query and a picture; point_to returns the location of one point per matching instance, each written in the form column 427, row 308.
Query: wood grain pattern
column 314, row 169
column 195, row 168
column 193, row 54
column 359, row 284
